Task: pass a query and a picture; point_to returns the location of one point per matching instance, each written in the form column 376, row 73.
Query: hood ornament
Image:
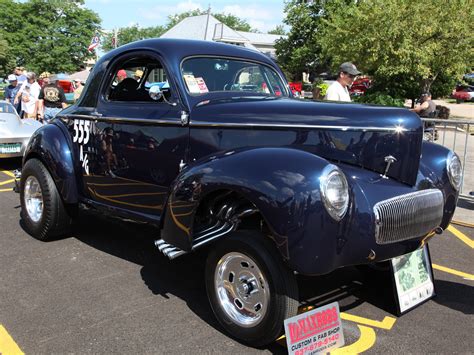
column 389, row 159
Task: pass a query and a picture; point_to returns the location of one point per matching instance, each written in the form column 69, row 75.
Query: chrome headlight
column 454, row 167
column 334, row 191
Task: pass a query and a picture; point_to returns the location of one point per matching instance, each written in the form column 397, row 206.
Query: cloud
column 263, row 18
column 162, row 12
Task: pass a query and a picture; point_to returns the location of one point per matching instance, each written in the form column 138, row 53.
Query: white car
column 15, row 132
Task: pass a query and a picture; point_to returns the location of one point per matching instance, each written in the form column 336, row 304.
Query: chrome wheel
column 33, row 199
column 241, row 289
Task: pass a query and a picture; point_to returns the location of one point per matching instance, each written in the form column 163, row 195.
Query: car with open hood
column 210, row 147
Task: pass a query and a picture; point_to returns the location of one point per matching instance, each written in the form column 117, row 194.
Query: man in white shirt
column 28, row 95
column 338, row 90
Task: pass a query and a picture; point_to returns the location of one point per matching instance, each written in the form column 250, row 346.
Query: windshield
column 204, row 75
column 6, row 107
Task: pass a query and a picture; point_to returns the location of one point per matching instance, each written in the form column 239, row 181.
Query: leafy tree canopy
column 406, row 45
column 50, row 35
column 301, row 50
column 278, row 30
column 130, row 34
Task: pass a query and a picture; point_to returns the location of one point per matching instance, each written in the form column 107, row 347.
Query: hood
column 11, row 126
column 361, row 135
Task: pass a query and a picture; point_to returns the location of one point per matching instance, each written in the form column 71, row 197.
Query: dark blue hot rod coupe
column 205, row 141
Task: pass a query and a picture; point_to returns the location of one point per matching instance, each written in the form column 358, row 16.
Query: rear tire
column 42, row 209
column 250, row 289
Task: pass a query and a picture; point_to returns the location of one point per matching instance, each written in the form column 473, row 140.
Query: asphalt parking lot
column 106, row 289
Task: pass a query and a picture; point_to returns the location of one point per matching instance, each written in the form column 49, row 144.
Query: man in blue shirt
column 11, row 91
column 20, row 75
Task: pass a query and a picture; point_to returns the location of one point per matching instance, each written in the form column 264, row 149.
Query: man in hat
column 11, row 91
column 338, row 91
column 427, row 107
column 20, row 74
column 51, row 99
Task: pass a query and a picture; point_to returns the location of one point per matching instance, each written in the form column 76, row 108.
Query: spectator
column 51, row 99
column 28, row 96
column 121, row 74
column 20, row 75
column 78, row 89
column 338, row 91
column 138, row 74
column 427, row 107
column 42, row 77
column 11, row 91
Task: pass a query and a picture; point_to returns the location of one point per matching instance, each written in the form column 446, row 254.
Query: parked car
column 360, row 86
column 270, row 185
column 14, row 131
column 463, row 93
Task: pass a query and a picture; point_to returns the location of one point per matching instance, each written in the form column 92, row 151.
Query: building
column 208, row 28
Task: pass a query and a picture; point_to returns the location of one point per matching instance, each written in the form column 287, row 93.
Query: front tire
column 250, row 289
column 42, row 209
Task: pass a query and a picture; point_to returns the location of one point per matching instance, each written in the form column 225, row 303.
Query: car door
column 139, row 141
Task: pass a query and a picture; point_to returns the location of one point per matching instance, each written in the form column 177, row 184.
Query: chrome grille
column 408, row 216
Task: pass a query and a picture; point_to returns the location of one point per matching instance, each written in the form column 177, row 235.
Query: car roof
column 178, row 49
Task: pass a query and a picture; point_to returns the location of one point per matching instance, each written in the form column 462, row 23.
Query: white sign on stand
column 413, row 279
column 316, row 331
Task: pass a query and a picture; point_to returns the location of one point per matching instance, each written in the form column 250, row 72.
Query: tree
column 234, row 22
column 50, row 35
column 301, row 50
column 5, row 59
column 278, row 30
column 405, row 45
column 230, row 20
column 173, row 20
column 130, row 34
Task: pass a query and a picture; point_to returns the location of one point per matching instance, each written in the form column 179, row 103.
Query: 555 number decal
column 82, row 131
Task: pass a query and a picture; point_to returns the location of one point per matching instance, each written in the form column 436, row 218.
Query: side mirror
column 155, row 93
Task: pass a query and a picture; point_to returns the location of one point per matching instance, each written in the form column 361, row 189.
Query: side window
column 132, row 80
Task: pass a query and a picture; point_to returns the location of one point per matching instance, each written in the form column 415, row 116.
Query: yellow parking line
column 9, row 173
column 387, row 322
column 7, row 182
column 364, row 343
column 464, row 224
column 454, row 272
column 464, row 238
column 5, row 190
column 7, row 344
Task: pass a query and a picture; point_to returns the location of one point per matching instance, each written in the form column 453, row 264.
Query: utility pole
column 207, row 22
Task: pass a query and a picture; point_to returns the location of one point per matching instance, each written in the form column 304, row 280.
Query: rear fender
column 51, row 144
column 282, row 183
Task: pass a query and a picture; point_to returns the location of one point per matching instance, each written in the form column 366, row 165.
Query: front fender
column 433, row 167
column 282, row 183
column 52, row 146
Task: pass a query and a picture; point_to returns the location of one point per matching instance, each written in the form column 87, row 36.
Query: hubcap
column 33, row 199
column 241, row 289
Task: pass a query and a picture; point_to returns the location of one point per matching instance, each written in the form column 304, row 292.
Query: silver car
column 14, row 131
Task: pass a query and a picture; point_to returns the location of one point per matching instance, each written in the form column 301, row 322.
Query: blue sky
column 263, row 15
